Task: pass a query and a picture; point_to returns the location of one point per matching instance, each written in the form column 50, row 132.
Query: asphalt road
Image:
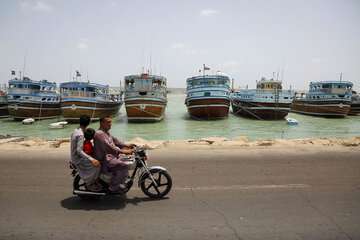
column 257, row 194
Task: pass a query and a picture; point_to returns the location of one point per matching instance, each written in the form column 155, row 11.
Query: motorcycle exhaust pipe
column 79, row 192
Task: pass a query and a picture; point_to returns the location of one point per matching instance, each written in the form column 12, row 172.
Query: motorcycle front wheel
column 161, row 188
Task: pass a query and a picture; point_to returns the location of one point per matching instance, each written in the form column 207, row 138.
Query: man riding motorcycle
column 107, row 159
column 112, row 154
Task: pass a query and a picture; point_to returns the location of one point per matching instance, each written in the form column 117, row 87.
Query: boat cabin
column 268, row 84
column 83, row 89
column 30, row 90
column 331, row 87
column 32, row 86
column 145, row 83
column 208, row 81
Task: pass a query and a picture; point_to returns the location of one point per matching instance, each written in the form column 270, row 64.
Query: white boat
column 58, row 124
column 28, row 121
column 292, row 121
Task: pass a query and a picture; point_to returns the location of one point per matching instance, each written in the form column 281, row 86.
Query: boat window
column 142, row 93
column 326, row 86
column 207, row 94
column 43, row 99
column 35, row 87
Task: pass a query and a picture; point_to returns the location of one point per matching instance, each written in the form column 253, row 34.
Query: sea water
column 178, row 125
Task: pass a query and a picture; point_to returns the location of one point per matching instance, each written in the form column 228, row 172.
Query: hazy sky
column 106, row 40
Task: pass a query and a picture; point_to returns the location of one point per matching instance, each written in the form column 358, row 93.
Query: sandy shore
column 9, row 143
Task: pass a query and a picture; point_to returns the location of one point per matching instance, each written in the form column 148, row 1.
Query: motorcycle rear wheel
column 162, row 179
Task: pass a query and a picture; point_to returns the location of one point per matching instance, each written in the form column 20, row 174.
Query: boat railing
column 155, row 94
column 78, row 94
column 22, row 91
column 208, row 86
column 331, row 91
column 82, row 94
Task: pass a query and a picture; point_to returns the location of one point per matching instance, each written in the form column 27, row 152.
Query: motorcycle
column 155, row 181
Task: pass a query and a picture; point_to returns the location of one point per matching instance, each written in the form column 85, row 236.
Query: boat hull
column 22, row 110
column 261, row 110
column 72, row 110
column 355, row 109
column 4, row 112
column 210, row 108
column 334, row 109
column 144, row 110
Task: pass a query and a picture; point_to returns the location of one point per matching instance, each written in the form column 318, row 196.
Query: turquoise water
column 177, row 125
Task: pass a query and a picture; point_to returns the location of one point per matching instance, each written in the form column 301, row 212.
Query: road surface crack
column 226, row 221
column 330, row 219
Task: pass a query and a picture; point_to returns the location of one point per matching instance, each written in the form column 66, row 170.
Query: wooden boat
column 267, row 102
column 3, row 104
column 325, row 99
column 355, row 104
column 33, row 99
column 145, row 97
column 85, row 98
column 208, row 96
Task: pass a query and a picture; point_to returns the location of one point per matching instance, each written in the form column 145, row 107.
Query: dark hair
column 84, row 120
column 89, row 133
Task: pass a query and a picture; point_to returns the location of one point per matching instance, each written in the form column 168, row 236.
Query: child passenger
column 88, row 145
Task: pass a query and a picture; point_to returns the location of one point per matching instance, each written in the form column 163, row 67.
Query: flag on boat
column 206, row 68
column 78, row 74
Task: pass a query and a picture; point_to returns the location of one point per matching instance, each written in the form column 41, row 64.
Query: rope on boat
column 251, row 113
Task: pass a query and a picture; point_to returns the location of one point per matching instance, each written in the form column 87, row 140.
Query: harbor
column 172, row 120
column 177, row 124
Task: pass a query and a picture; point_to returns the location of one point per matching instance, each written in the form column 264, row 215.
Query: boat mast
column 24, row 66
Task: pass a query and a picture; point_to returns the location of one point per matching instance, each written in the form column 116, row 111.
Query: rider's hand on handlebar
column 132, row 145
column 95, row 163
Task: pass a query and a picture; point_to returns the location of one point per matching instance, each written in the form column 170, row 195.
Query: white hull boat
column 28, row 121
column 292, row 121
column 58, row 125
